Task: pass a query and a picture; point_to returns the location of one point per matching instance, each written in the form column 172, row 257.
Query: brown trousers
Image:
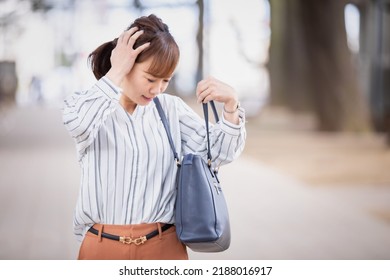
column 165, row 246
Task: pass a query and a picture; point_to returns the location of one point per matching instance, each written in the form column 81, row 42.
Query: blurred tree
column 375, row 59
column 41, row 5
column 311, row 66
column 199, row 40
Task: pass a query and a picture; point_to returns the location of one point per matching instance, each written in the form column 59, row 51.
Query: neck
column 127, row 104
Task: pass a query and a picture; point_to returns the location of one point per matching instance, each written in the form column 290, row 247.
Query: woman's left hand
column 213, row 89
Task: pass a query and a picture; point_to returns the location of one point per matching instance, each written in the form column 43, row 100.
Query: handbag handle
column 168, row 131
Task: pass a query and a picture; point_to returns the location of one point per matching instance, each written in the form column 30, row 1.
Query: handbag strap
column 168, row 131
column 206, row 117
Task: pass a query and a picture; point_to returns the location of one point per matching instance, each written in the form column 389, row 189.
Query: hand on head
column 123, row 56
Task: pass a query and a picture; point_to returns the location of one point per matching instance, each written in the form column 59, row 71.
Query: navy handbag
column 201, row 213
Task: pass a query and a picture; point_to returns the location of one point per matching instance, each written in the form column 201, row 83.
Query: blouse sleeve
column 85, row 112
column 227, row 140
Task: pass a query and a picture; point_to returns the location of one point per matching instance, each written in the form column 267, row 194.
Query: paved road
column 272, row 216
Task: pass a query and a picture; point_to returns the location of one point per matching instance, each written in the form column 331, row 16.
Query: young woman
column 125, row 208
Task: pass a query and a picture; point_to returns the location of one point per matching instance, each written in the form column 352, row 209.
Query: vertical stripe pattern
column 127, row 167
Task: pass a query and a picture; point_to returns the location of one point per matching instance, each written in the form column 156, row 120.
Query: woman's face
column 140, row 87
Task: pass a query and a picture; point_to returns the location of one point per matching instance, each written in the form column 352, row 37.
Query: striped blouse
column 127, row 167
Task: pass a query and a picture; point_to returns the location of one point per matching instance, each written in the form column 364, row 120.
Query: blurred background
column 313, row 77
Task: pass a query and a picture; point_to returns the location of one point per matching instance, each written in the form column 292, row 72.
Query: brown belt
column 128, row 240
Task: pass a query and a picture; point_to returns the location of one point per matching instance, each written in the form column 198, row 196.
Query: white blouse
column 127, row 166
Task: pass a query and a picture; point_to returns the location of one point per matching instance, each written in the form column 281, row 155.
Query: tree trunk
column 199, row 40
column 288, row 64
column 8, row 82
column 314, row 70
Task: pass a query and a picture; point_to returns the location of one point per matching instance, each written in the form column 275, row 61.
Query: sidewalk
column 276, row 217
column 273, row 216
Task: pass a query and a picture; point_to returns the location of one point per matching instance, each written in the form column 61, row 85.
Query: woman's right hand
column 123, row 56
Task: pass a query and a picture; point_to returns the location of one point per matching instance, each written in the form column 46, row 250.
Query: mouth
column 147, row 98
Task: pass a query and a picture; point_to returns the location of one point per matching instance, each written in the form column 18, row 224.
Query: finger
column 125, row 36
column 208, row 98
column 141, row 48
column 202, row 86
column 205, row 95
column 133, row 38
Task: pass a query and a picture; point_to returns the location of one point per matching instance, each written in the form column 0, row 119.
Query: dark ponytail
column 99, row 59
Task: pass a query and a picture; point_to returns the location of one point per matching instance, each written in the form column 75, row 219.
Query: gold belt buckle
column 129, row 240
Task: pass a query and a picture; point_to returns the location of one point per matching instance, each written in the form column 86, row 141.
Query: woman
column 127, row 195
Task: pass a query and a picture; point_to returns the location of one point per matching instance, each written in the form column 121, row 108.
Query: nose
column 156, row 88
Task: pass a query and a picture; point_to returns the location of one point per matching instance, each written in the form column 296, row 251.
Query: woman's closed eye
column 154, row 80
